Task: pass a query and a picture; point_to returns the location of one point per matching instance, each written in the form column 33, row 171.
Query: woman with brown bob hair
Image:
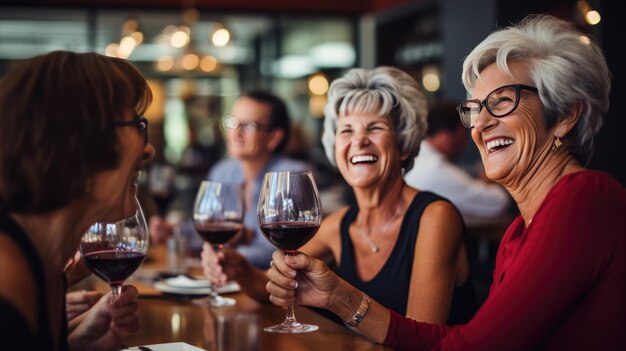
column 72, row 141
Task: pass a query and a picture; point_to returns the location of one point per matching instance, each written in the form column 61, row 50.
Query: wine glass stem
column 214, row 295
column 290, row 318
column 117, row 289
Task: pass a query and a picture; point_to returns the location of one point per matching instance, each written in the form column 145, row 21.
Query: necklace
column 366, row 233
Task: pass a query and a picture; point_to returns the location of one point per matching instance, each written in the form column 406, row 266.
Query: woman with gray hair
column 539, row 92
column 401, row 246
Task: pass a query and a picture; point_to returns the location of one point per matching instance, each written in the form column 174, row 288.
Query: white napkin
column 183, row 281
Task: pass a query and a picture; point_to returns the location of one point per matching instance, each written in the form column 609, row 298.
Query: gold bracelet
column 360, row 313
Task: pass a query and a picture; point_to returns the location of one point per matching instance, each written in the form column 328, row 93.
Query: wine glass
column 161, row 186
column 113, row 251
column 289, row 214
column 218, row 217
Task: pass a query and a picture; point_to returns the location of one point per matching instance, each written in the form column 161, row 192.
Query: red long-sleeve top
column 559, row 284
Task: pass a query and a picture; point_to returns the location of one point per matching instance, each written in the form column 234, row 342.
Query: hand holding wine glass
column 113, row 251
column 289, row 213
column 218, row 217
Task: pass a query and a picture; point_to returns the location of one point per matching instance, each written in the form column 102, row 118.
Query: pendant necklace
column 366, row 233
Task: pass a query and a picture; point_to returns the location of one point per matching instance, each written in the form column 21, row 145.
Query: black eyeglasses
column 231, row 122
column 139, row 122
column 499, row 103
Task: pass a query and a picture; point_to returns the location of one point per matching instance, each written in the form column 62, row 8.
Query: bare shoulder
column 325, row 245
column 441, row 217
column 17, row 284
column 330, row 224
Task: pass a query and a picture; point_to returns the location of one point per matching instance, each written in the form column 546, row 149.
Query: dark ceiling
column 317, row 6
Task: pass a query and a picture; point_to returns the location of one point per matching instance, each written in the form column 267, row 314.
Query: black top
column 390, row 286
column 14, row 329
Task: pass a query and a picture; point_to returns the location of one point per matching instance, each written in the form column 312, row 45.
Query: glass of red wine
column 161, row 185
column 218, row 217
column 289, row 214
column 113, row 251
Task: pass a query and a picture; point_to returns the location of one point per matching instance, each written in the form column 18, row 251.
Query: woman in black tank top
column 403, row 247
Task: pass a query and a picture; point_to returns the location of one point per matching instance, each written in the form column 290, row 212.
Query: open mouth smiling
column 360, row 159
column 498, row 144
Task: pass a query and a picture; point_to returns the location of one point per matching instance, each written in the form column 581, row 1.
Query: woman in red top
column 539, row 93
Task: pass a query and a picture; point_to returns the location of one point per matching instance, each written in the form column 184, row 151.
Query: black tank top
column 390, row 286
column 12, row 323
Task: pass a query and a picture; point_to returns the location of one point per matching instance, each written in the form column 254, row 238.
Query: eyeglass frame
column 517, row 87
column 140, row 122
column 249, row 127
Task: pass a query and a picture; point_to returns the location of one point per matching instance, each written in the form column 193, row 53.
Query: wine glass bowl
column 113, row 251
column 161, row 186
column 218, row 216
column 289, row 214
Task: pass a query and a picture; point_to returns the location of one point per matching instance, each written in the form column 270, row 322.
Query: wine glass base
column 291, row 328
column 217, row 301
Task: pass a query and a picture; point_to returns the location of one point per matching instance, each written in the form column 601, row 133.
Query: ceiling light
column 190, row 61
column 318, row 84
column 208, row 63
column 221, row 37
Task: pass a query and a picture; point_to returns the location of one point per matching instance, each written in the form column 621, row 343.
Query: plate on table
column 171, row 346
column 187, row 282
column 195, row 287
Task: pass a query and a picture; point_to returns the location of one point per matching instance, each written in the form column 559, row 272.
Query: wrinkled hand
column 160, row 230
column 315, row 282
column 223, row 266
column 77, row 302
column 76, row 269
column 108, row 322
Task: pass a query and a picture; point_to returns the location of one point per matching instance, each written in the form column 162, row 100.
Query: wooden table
column 173, row 318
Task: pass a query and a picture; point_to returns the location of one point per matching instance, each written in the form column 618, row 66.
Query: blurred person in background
column 402, row 246
column 539, row 93
column 256, row 131
column 435, row 171
column 72, row 143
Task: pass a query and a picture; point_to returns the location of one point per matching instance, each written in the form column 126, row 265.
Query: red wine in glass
column 289, row 214
column 114, row 266
column 218, row 217
column 161, row 186
column 289, row 236
column 218, row 233
column 162, row 202
column 113, row 251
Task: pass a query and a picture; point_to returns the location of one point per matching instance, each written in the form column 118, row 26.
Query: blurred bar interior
column 200, row 54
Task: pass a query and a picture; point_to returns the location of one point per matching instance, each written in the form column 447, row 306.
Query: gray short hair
column 565, row 65
column 385, row 91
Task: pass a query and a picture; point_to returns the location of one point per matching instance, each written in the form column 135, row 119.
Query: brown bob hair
column 57, row 114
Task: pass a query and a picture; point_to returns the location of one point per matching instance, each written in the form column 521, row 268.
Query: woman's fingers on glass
column 279, row 295
column 129, row 294
column 281, row 302
column 127, row 325
column 278, row 260
column 278, row 277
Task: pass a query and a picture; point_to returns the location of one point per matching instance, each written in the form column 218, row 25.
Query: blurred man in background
column 435, row 171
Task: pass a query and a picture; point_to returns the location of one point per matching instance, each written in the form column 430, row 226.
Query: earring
column 556, row 144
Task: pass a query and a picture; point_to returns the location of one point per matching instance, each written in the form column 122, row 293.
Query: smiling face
column 114, row 190
column 512, row 145
column 366, row 150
